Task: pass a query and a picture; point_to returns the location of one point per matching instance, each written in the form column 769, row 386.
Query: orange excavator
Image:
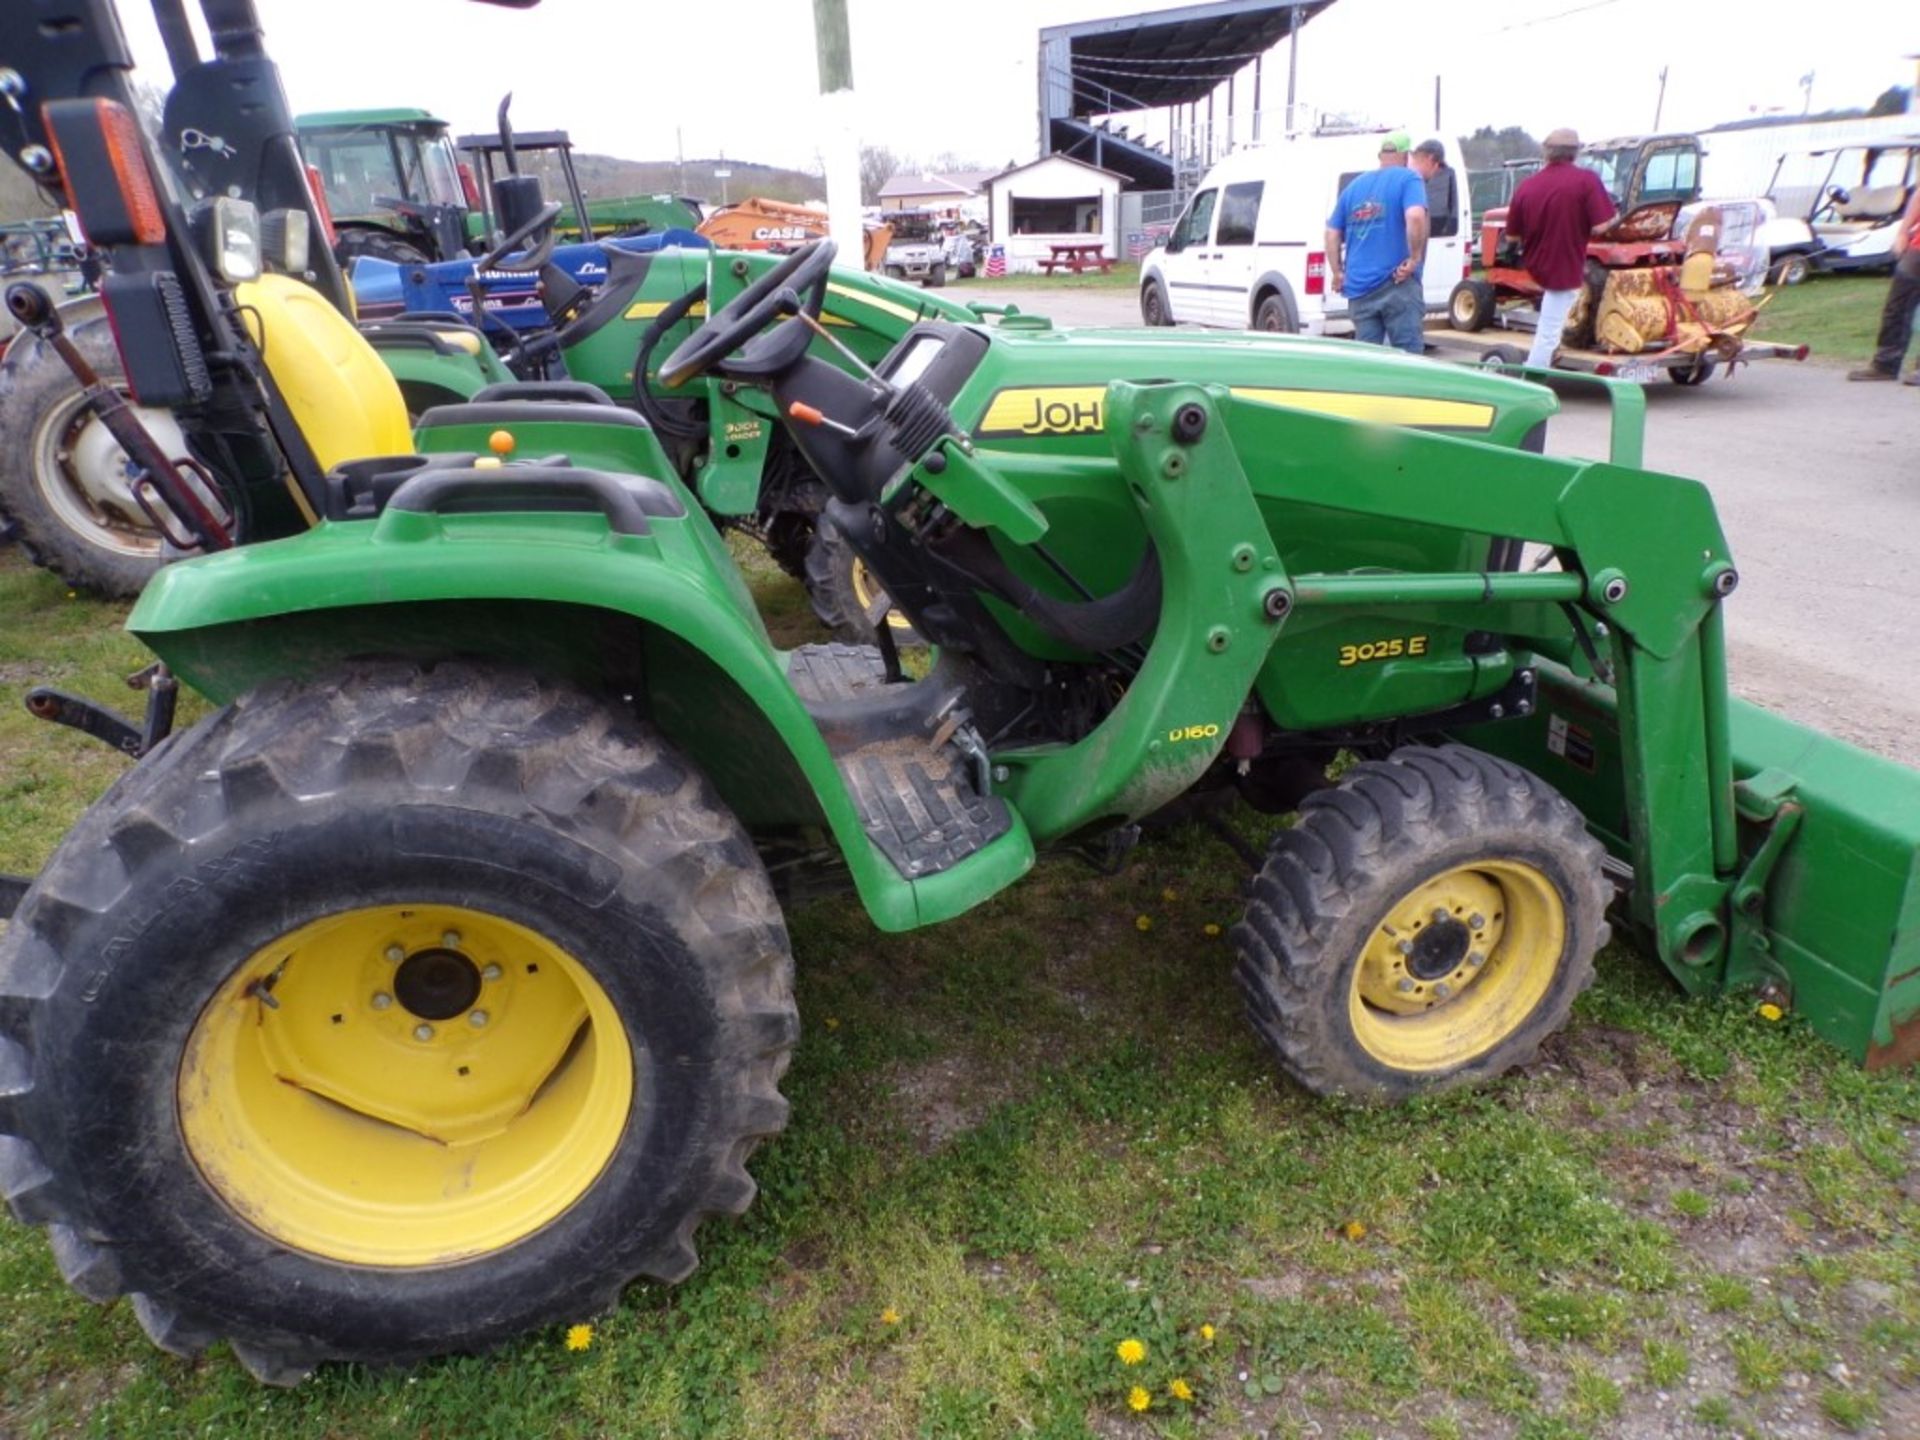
column 758, row 224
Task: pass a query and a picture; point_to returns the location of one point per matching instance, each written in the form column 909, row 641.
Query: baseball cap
column 1397, row 143
column 1433, row 148
column 1563, row 136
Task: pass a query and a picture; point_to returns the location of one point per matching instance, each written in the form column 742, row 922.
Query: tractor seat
column 456, row 483
column 442, row 334
column 1872, row 203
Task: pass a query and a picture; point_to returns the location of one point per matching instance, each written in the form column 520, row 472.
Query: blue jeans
column 1391, row 314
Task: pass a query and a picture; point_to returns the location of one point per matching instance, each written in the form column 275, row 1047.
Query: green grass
column 1038, row 1131
column 1837, row 315
column 1125, row 275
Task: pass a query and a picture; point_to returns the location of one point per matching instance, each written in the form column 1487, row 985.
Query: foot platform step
column 904, row 752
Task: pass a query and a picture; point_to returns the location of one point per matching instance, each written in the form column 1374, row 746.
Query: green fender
column 663, row 617
column 442, row 374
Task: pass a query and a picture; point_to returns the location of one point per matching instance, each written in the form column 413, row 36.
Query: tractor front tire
column 1427, row 923
column 64, row 480
column 389, row 1015
column 1470, row 306
column 842, row 590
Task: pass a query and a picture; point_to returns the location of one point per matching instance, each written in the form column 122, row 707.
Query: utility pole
column 840, row 146
column 1660, row 104
column 1293, row 63
column 680, row 156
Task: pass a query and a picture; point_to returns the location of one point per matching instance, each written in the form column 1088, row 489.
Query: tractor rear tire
column 248, row 1079
column 1470, row 306
column 1427, row 923
column 841, row 590
column 377, row 244
column 62, row 476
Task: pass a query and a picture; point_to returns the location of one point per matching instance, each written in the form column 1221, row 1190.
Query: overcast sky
column 958, row 78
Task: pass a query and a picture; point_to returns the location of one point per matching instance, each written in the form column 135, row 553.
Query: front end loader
column 435, row 985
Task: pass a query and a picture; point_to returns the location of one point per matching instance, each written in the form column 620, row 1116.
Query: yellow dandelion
column 1143, row 923
column 1179, row 1389
column 1210, row 930
column 73, row 594
column 1138, row 1399
column 1354, row 1230
column 1169, row 895
column 579, row 1337
column 1206, row 1333
column 832, row 1023
column 1771, row 1011
column 889, row 1316
column 1131, row 1351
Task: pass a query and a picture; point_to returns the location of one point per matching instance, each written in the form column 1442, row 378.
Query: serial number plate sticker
column 1571, row 742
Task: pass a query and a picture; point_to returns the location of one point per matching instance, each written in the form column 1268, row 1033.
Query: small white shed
column 1051, row 201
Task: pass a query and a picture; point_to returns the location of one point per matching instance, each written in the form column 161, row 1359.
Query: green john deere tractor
column 435, row 985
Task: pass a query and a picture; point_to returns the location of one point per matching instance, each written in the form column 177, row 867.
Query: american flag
column 996, row 260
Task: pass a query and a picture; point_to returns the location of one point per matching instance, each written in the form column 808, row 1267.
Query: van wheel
column 1154, row 309
column 1275, row 314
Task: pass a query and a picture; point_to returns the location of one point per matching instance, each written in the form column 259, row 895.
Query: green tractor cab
column 393, row 183
column 435, row 985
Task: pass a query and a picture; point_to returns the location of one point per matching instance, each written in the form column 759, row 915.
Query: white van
column 1249, row 252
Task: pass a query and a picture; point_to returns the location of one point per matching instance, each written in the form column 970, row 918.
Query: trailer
column 1487, row 347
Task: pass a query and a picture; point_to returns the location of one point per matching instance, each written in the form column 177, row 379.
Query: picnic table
column 1078, row 256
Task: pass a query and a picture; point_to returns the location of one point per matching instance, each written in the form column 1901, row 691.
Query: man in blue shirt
column 1376, row 243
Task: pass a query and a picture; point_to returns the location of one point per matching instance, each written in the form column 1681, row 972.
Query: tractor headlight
column 235, row 232
column 284, row 240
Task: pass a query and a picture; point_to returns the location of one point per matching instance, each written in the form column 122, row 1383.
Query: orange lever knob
column 501, row 442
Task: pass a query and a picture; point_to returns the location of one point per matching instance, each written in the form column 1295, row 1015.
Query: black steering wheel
column 797, row 282
column 542, row 219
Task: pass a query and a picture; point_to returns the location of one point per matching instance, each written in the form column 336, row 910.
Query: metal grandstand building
column 1159, row 97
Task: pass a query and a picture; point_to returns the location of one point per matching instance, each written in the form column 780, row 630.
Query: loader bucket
column 1842, row 910
column 1829, row 858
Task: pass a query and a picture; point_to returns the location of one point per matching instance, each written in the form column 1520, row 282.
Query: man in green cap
column 1376, row 243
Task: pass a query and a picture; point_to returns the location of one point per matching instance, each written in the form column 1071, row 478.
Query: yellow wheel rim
column 866, row 589
column 1457, row 965
column 405, row 1085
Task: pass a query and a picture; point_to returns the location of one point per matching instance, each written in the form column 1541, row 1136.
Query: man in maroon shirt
column 1551, row 215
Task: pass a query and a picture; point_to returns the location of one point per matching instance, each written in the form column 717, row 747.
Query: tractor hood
column 1050, row 385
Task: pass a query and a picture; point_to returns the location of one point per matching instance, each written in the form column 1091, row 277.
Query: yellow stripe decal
column 1382, row 409
column 884, row 306
column 647, row 309
column 1079, row 409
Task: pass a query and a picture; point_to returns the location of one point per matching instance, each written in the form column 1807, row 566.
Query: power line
column 1558, row 15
